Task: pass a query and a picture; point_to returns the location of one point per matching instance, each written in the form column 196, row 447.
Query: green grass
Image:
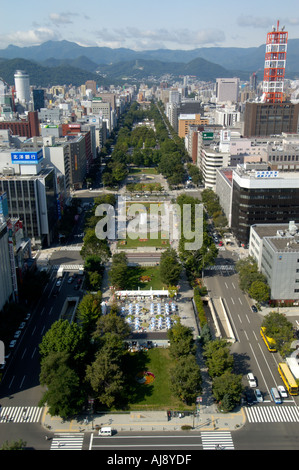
column 144, row 242
column 145, row 171
column 157, row 395
column 135, row 274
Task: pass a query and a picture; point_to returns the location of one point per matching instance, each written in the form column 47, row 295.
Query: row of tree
column 252, row 281
column 186, row 380
column 227, row 386
column 170, row 270
column 76, row 364
column 281, row 330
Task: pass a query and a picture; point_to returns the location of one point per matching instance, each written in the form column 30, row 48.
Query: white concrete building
column 276, row 251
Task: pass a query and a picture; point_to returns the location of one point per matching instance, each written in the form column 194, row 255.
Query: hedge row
column 200, row 308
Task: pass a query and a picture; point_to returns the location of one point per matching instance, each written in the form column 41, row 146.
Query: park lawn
column 144, row 242
column 145, row 171
column 157, row 395
column 136, row 272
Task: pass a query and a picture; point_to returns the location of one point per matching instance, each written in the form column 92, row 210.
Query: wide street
column 267, row 426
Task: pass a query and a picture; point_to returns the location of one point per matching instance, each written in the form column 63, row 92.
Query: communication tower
column 275, row 62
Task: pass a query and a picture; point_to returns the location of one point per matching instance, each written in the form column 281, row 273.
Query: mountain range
column 71, row 62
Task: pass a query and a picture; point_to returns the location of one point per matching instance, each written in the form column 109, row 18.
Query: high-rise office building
column 22, row 86
column 227, row 89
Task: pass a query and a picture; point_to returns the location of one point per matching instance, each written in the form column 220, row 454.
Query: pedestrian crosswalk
column 20, row 414
column 67, row 441
column 214, row 440
column 273, row 414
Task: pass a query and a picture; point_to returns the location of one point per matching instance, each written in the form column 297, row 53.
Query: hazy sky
column 150, row 24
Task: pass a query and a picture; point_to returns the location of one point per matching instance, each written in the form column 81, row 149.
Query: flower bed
column 145, row 377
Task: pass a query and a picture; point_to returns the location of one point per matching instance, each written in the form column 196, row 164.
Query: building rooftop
column 281, row 237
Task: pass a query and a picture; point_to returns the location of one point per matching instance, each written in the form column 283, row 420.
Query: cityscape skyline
column 150, row 26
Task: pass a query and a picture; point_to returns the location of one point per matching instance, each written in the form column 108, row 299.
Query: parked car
column 282, row 391
column 251, row 380
column 22, row 325
column 258, row 395
column 17, row 334
column 58, row 283
column 13, row 343
column 28, row 316
column 254, row 309
column 70, row 279
column 249, row 397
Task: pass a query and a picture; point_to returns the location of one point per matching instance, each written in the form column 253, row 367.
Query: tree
column 227, row 390
column 64, row 395
column 63, row 337
column 118, row 273
column 111, row 323
column 281, row 330
column 89, row 310
column 170, row 268
column 181, row 340
column 218, row 357
column 259, row 291
column 105, row 378
column 13, row 445
column 93, row 246
column 186, row 379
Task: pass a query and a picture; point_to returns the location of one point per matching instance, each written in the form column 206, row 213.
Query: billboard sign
column 208, row 135
column 29, row 158
column 266, row 174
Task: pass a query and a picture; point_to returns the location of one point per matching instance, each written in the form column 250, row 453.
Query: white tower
column 22, row 86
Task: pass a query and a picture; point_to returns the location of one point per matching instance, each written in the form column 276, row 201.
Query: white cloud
column 266, row 23
column 254, row 21
column 29, row 38
column 140, row 39
column 62, row 18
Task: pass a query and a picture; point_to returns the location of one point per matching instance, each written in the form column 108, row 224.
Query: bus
column 288, row 378
column 269, row 342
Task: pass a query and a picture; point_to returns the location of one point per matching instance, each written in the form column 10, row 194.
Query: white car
column 251, row 380
column 282, row 391
column 258, row 395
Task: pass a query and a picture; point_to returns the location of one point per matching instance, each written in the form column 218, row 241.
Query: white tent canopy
column 142, row 293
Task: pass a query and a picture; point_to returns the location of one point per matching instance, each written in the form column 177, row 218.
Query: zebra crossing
column 67, row 441
column 273, row 414
column 20, row 414
column 213, row 440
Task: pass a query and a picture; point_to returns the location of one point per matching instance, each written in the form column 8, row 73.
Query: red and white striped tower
column 275, row 62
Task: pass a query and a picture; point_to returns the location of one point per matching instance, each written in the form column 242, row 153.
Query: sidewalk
column 207, row 420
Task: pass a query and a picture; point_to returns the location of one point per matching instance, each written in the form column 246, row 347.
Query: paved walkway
column 208, row 419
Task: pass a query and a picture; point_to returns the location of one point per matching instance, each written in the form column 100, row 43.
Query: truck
column 59, row 272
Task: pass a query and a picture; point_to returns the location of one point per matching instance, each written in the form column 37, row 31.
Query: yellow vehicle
column 288, row 378
column 269, row 342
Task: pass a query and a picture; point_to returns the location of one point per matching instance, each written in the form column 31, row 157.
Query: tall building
column 266, row 119
column 273, row 115
column 29, row 128
column 6, row 291
column 38, row 96
column 262, row 196
column 31, row 193
column 275, row 247
column 22, row 86
column 227, row 89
